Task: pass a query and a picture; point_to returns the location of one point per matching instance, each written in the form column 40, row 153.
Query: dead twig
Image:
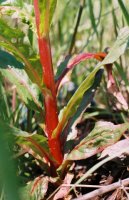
column 82, row 185
column 104, row 190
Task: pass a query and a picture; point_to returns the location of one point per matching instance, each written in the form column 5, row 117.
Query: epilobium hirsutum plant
column 32, row 73
column 43, row 15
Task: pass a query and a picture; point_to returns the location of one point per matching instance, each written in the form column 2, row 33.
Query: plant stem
column 82, row 3
column 48, row 78
column 51, row 112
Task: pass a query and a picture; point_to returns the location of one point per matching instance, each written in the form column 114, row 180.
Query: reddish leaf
column 64, row 190
column 79, row 58
column 118, row 148
column 84, row 56
column 103, row 135
column 40, row 187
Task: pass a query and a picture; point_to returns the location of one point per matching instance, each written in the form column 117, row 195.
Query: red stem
column 51, row 112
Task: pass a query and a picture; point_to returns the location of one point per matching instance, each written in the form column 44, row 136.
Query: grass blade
column 124, row 11
column 92, row 17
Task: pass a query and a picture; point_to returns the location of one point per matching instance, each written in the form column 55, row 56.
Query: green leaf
column 47, row 9
column 20, row 39
column 13, row 70
column 74, row 102
column 119, row 47
column 87, row 98
column 7, row 60
column 8, row 32
column 116, row 51
column 35, row 74
column 61, row 68
column 124, row 11
column 29, row 143
column 104, row 134
column 25, row 138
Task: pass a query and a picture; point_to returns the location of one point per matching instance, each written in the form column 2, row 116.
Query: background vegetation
column 78, row 26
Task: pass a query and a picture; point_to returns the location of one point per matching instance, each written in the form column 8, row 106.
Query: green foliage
column 21, row 42
column 61, row 68
column 87, row 98
column 124, row 11
column 35, row 144
column 10, row 130
column 8, row 178
column 39, row 139
column 8, row 32
column 26, row 128
column 11, row 68
column 92, row 17
column 119, row 47
column 116, row 51
column 7, row 60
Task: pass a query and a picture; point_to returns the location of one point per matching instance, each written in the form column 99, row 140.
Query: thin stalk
column 82, row 3
column 51, row 112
